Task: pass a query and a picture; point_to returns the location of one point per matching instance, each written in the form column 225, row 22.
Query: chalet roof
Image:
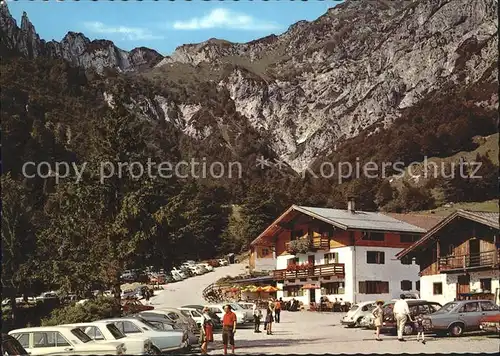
column 343, row 219
column 361, row 220
column 482, row 217
column 426, row 222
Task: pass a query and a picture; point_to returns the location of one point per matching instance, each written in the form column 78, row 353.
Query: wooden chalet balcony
column 475, row 260
column 316, row 243
column 326, row 270
column 321, row 243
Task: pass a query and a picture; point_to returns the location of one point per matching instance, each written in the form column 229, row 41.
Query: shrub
column 300, row 246
column 100, row 308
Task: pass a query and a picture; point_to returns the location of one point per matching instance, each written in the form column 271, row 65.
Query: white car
column 163, row 341
column 207, row 267
column 357, row 313
column 241, row 316
column 47, row 295
column 102, row 331
column 223, row 262
column 64, row 340
column 192, row 313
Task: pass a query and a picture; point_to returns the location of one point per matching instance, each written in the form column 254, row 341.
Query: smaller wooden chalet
column 459, row 257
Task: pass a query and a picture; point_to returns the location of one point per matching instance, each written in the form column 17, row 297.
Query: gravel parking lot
column 312, row 332
column 317, row 333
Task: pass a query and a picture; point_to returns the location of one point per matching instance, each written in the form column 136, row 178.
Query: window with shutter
column 362, row 287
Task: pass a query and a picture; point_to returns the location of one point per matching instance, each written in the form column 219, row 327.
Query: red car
column 133, row 306
column 490, row 323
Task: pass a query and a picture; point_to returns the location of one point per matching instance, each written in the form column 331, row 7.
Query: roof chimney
column 351, row 205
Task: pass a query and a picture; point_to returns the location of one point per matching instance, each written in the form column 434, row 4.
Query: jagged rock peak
column 75, row 47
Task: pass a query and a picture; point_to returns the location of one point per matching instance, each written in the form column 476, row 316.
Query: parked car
column 208, row 266
column 161, row 322
column 102, row 331
column 458, row 317
column 357, row 312
column 132, row 306
column 416, row 306
column 179, row 272
column 128, row 276
column 214, row 263
column 215, row 318
column 176, row 315
column 163, row 341
column 246, row 305
column 241, row 314
column 490, row 323
column 11, row 347
column 46, row 296
column 248, row 313
column 187, row 271
column 367, row 321
column 194, row 314
column 67, row 340
column 223, row 262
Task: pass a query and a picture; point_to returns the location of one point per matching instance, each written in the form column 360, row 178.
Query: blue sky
column 164, row 25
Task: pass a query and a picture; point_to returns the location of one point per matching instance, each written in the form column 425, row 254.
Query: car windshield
column 81, row 335
column 448, row 307
column 354, row 307
column 147, row 323
column 371, row 307
column 235, row 306
column 117, row 334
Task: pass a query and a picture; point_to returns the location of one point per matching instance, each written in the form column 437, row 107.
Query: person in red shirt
column 228, row 328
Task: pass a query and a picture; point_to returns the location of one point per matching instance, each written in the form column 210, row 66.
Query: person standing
column 342, row 305
column 401, row 313
column 277, row 310
column 419, row 326
column 228, row 328
column 378, row 315
column 269, row 319
column 257, row 315
column 206, row 331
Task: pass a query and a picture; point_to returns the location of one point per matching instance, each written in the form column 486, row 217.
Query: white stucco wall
column 265, row 264
column 356, row 269
column 450, row 285
column 392, row 271
column 345, row 256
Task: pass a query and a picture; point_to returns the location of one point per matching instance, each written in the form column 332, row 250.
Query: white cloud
column 223, row 18
column 127, row 33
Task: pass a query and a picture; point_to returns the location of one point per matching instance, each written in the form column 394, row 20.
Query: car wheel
column 408, row 329
column 358, row 322
column 456, row 329
column 155, row 351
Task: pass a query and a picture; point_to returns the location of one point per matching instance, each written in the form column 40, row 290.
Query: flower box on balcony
column 300, row 246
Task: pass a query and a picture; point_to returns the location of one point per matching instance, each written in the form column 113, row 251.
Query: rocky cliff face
column 320, row 82
column 74, row 47
column 359, row 64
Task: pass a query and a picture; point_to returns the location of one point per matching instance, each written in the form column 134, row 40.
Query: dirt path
column 189, row 291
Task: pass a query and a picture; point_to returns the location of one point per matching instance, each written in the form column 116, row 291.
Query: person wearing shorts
column 228, row 328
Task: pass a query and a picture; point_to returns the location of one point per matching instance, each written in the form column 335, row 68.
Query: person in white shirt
column 401, row 312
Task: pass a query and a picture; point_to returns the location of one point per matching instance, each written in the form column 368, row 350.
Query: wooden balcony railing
column 316, row 243
column 482, row 259
column 326, row 270
column 321, row 243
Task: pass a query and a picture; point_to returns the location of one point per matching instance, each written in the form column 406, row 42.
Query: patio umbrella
column 248, row 288
column 270, row 289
